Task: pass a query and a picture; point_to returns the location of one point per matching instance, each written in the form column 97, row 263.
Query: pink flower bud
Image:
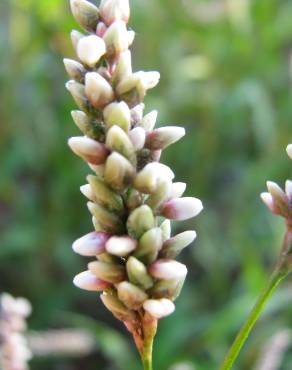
column 88, row 281
column 167, row 269
column 162, row 137
column 113, row 10
column 121, row 245
column 90, row 49
column 98, row 90
column 91, row 244
column 100, row 29
column 88, row 149
column 159, row 308
column 182, row 208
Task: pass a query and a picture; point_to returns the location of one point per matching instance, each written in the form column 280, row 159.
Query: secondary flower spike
column 130, row 191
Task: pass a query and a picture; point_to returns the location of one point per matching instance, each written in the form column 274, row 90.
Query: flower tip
column 289, row 150
column 159, row 308
column 88, row 281
column 267, row 199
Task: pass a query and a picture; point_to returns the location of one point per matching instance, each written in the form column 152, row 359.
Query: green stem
column 147, row 356
column 244, row 332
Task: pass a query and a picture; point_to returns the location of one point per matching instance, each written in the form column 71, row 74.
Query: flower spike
column 130, row 190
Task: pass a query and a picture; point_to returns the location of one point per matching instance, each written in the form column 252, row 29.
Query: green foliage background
column 226, row 76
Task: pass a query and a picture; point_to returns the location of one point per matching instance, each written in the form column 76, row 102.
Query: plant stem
column 147, row 355
column 149, row 329
column 277, row 276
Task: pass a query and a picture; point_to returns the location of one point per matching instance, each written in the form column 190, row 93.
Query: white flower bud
column 148, row 178
column 167, row 269
column 182, row 208
column 85, row 13
column 178, row 189
column 289, row 150
column 116, row 38
column 88, row 149
column 88, row 281
column 77, row 91
column 91, row 244
column 113, row 10
column 288, row 189
column 117, row 114
column 87, row 191
column 139, row 82
column 76, row 36
column 98, row 90
column 149, row 120
column 162, row 137
column 131, row 37
column 268, row 200
column 121, row 246
column 90, row 49
column 123, row 68
column 75, row 70
column 137, row 137
column 159, row 308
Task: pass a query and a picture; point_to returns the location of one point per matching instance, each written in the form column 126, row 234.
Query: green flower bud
column 119, row 172
column 116, row 39
column 149, row 245
column 118, row 309
column 109, row 221
column 104, row 196
column 137, row 273
column 134, row 199
column 132, row 296
column 110, row 272
column 161, row 194
column 170, row 289
column 117, row 140
column 90, row 128
column 173, row 246
column 140, row 221
column 85, row 13
column 123, row 68
column 117, row 114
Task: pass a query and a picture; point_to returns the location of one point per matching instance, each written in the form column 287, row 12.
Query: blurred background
column 226, row 69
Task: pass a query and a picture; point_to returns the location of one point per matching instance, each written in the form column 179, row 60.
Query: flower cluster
column 132, row 196
column 14, row 352
column 277, row 200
